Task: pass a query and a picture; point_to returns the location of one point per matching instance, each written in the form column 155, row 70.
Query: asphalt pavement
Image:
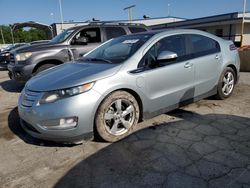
column 205, row 144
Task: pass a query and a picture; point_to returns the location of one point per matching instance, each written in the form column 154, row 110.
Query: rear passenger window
column 113, row 32
column 136, row 29
column 202, row 45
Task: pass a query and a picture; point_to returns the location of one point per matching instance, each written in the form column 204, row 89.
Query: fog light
column 68, row 122
column 62, row 123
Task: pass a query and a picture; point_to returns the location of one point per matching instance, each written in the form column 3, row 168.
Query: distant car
column 126, row 80
column 70, row 45
column 5, row 54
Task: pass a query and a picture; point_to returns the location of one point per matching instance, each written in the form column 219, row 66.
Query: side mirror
column 81, row 41
column 166, row 56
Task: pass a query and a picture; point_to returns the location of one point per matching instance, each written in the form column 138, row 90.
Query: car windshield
column 119, row 49
column 62, row 36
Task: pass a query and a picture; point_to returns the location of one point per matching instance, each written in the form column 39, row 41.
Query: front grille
column 12, row 58
column 29, row 97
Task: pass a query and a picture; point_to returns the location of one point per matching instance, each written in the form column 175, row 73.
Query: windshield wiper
column 98, row 59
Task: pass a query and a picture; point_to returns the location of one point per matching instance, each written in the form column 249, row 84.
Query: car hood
column 37, row 47
column 70, row 75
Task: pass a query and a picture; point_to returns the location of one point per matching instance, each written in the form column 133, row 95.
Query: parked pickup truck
column 70, row 45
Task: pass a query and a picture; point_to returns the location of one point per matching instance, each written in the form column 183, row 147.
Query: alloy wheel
column 119, row 117
column 228, row 83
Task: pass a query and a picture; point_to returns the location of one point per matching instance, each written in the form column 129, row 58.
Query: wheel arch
column 234, row 69
column 44, row 62
column 137, row 98
column 130, row 91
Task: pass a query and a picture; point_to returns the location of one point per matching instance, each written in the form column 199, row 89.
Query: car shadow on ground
column 15, row 127
column 11, row 86
column 195, row 151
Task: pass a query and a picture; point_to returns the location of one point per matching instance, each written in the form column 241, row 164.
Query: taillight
column 232, row 47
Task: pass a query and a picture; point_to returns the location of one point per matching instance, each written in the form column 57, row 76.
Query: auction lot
column 206, row 144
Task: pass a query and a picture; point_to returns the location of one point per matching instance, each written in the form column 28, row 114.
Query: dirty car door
column 169, row 83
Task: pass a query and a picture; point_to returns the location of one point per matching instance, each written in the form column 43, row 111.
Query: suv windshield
column 62, row 36
column 119, row 49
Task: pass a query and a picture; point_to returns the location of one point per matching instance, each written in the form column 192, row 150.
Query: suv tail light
column 232, row 47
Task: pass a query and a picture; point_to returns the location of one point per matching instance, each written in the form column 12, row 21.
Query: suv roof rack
column 114, row 23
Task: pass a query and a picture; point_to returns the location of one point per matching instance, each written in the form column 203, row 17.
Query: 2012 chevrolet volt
column 125, row 80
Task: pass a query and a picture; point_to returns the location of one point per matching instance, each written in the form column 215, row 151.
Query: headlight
column 23, row 56
column 53, row 96
column 5, row 54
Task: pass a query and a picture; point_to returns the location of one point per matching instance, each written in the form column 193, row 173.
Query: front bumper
column 82, row 106
column 21, row 73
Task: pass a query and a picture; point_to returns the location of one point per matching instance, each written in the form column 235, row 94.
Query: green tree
column 6, row 34
column 21, row 35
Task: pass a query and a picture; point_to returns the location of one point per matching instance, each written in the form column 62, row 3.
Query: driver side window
column 175, row 43
column 90, row 35
column 149, row 58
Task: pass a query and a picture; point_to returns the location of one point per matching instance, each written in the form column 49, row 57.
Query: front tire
column 116, row 116
column 226, row 84
column 44, row 67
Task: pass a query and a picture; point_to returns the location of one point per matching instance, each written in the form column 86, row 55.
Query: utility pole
column 61, row 13
column 52, row 17
column 168, row 9
column 243, row 22
column 2, row 35
column 12, row 36
column 129, row 8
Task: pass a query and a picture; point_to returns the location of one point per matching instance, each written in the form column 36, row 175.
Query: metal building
column 228, row 26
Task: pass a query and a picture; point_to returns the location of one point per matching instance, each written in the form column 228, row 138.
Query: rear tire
column 116, row 116
column 226, row 84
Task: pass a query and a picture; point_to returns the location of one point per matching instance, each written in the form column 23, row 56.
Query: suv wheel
column 226, row 84
column 44, row 67
column 116, row 116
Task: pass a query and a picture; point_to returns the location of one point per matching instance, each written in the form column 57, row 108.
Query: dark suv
column 70, row 45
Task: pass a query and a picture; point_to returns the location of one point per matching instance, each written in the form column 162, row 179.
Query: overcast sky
column 47, row 11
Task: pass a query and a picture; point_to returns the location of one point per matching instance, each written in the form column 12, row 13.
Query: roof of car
column 176, row 31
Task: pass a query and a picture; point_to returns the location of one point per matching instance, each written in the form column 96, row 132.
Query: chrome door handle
column 188, row 65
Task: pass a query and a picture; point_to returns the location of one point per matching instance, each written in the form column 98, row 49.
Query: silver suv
column 69, row 45
column 126, row 80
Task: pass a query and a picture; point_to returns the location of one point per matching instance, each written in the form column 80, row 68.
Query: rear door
column 207, row 61
column 113, row 32
column 170, row 83
column 93, row 35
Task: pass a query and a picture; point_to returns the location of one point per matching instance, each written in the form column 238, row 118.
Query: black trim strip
column 147, row 115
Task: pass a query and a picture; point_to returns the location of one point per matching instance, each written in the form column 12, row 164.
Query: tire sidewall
column 220, row 94
column 99, row 118
column 44, row 67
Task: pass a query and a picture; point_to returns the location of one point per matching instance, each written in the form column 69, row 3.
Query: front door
column 168, row 83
